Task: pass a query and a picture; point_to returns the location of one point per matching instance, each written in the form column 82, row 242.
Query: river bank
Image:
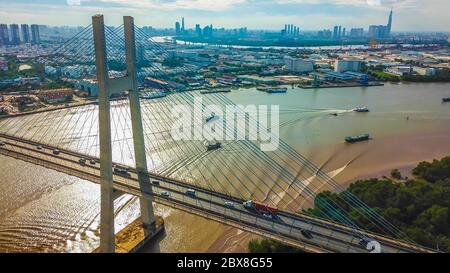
column 45, row 211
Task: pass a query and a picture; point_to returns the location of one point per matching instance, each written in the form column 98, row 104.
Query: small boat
column 361, row 109
column 334, row 114
column 208, row 119
column 446, row 100
column 353, row 139
column 153, row 95
column 213, row 146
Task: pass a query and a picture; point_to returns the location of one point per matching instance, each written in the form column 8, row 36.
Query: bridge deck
column 327, row 236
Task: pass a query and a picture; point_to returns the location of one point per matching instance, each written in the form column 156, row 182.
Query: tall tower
column 4, row 34
column 182, row 24
column 35, row 36
column 15, row 35
column 177, row 28
column 389, row 25
column 25, row 33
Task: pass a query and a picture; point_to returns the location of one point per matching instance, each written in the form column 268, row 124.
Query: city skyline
column 265, row 14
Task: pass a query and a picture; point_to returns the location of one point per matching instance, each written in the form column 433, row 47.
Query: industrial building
column 341, row 66
column 298, row 65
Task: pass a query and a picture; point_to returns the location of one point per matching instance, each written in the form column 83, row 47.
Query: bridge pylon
column 108, row 86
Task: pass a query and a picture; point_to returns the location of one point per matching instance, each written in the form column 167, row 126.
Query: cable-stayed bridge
column 126, row 145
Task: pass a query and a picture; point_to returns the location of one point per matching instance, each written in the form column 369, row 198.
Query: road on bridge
column 287, row 227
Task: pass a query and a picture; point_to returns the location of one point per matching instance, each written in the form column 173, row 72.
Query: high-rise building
column 25, row 29
column 381, row 32
column 344, row 32
column 325, row 34
column 357, row 32
column 378, row 32
column 198, row 30
column 35, row 35
column 389, row 25
column 15, row 34
column 4, row 34
column 336, row 32
column 182, row 24
column 208, row 31
column 340, row 32
column 177, row 28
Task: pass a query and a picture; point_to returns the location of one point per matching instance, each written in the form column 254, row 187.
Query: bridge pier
column 107, row 87
column 147, row 214
column 107, row 239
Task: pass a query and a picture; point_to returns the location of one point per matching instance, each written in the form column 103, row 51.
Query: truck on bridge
column 260, row 207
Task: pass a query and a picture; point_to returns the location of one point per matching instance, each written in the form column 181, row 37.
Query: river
column 46, row 211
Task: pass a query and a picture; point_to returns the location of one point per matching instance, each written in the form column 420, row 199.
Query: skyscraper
column 389, row 25
column 335, row 32
column 25, row 29
column 35, row 35
column 4, row 34
column 15, row 34
column 340, row 32
column 182, row 25
column 177, row 28
column 198, row 30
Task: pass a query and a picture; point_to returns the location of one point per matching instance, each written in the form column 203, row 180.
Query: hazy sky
column 409, row 15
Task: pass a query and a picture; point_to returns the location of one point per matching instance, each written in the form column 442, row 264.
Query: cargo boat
column 212, row 91
column 272, row 90
column 353, row 139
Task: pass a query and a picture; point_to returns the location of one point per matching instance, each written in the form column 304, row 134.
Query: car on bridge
column 229, row 204
column 2, row 143
column 165, row 194
column 39, row 147
column 308, row 235
column 82, row 161
column 56, row 152
column 191, row 193
column 268, row 216
column 121, row 171
column 93, row 162
column 155, row 182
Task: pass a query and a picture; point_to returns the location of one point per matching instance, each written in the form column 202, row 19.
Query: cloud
column 356, row 3
column 205, row 5
column 73, row 2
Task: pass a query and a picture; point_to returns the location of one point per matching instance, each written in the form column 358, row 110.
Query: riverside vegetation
column 420, row 207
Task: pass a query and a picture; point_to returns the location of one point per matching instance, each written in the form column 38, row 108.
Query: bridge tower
column 107, row 87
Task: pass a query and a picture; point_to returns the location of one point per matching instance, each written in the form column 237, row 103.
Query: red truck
column 264, row 208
